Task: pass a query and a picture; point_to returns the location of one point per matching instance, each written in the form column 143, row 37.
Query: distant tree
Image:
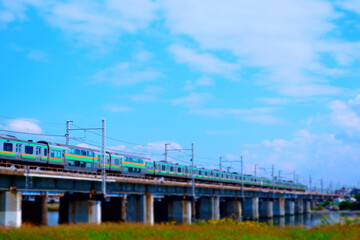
column 357, row 197
column 345, row 205
column 326, row 203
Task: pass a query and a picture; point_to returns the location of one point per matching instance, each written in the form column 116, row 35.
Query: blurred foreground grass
column 223, row 229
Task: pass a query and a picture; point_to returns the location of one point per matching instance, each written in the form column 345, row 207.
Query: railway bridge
column 24, row 191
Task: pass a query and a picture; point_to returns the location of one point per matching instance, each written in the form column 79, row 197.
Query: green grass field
column 223, row 229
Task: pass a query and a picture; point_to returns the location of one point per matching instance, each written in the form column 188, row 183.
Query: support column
column 180, row 211
column 10, row 209
column 140, row 208
column 149, row 209
column 313, row 203
column 289, row 207
column 209, row 208
column 279, row 207
column 299, row 206
column 266, row 208
column 113, row 210
column 233, row 209
column 307, row 208
column 251, row 208
column 35, row 210
column 85, row 211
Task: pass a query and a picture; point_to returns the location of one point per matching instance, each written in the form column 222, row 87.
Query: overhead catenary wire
column 39, row 134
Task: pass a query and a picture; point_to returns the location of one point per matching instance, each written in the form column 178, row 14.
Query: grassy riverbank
column 227, row 229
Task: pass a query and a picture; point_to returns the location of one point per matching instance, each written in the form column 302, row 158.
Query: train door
column 38, row 153
column 18, row 150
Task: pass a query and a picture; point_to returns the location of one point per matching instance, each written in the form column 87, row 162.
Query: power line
column 40, row 134
column 30, row 120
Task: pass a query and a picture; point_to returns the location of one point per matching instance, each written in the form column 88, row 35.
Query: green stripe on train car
column 8, row 154
column 132, row 165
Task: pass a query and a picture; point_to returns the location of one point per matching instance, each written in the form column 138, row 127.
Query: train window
column 71, row 151
column 29, row 149
column 71, row 163
column 45, row 152
column 82, row 164
column 8, row 147
column 18, row 147
column 88, row 165
column 171, row 169
column 206, row 173
column 163, row 167
column 179, row 169
column 77, row 151
column 77, row 163
column 116, row 161
column 217, row 175
column 83, row 153
column 90, row 153
column 199, row 172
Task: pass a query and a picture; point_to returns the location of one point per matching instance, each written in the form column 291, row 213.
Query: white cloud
column 95, row 22
column 194, row 100
column 284, row 38
column 24, row 125
column 219, row 132
column 38, row 55
column 143, row 98
column 116, row 108
column 351, row 5
column 346, row 115
column 319, row 155
column 203, row 62
column 126, row 74
column 117, row 148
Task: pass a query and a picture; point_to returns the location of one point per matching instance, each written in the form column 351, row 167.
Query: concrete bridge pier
column 307, row 208
column 35, row 210
column 179, row 210
column 10, row 209
column 140, row 208
column 299, row 206
column 266, row 208
column 231, row 208
column 251, row 208
column 279, row 207
column 209, row 208
column 79, row 208
column 113, row 210
column 289, row 207
column 313, row 203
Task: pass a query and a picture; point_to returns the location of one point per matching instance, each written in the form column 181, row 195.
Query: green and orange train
column 87, row 159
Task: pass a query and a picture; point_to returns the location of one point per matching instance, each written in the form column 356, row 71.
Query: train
column 44, row 153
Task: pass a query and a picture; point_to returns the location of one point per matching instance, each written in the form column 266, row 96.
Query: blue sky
column 276, row 82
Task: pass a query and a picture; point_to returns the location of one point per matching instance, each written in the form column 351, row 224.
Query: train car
column 25, row 152
column 88, row 159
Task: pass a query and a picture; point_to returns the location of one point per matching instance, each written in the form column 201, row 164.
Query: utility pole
column 294, row 176
column 273, row 179
column 103, row 186
column 228, row 169
column 166, row 152
column 193, row 177
column 310, row 182
column 220, row 158
column 255, row 168
column 279, row 175
column 242, row 178
column 67, row 135
column 322, row 186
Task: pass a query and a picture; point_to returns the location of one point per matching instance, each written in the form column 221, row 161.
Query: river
column 306, row 220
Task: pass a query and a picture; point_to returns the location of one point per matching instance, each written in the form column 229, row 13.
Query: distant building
column 355, row 191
